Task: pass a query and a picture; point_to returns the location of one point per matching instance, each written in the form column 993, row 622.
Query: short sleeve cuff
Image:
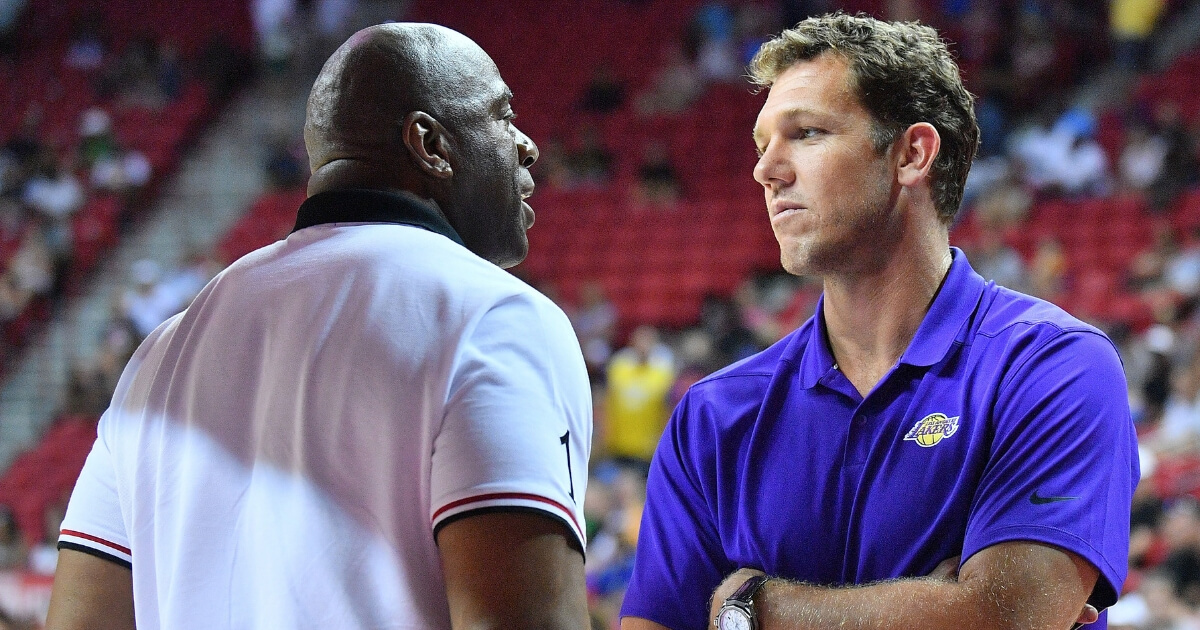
column 96, row 546
column 1107, row 586
column 500, row 501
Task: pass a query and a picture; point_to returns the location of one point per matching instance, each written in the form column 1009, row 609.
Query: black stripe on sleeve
column 573, row 538
column 92, row 551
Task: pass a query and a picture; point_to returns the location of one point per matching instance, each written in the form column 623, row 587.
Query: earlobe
column 919, row 146
column 426, row 142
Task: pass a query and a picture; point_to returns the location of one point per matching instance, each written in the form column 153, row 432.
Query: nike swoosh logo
column 1038, row 499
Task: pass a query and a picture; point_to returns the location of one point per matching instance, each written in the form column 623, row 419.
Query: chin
column 512, row 256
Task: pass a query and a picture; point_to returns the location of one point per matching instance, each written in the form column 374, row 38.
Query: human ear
column 426, row 141
column 916, row 151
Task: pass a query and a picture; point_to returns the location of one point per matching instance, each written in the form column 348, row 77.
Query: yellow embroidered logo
column 931, row 429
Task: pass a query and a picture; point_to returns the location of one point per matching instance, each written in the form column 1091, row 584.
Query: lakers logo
column 931, row 429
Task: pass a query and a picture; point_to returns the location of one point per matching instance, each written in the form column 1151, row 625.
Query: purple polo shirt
column 1005, row 419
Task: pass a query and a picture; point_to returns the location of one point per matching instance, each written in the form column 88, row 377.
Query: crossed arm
column 1010, row 586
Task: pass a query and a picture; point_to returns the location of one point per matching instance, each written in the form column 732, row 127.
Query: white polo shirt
column 281, row 454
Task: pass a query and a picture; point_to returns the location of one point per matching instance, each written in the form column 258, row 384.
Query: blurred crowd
column 1028, row 61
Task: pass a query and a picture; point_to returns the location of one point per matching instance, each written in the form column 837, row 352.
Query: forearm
column 1011, row 586
column 900, row 605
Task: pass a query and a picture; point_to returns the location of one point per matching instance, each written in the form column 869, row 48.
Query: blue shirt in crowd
column 1005, row 419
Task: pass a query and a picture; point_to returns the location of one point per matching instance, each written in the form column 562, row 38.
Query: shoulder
column 757, row 370
column 734, row 394
column 1024, row 323
column 1036, row 346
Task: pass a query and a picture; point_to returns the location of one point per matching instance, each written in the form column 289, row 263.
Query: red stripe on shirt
column 71, row 532
column 507, row 495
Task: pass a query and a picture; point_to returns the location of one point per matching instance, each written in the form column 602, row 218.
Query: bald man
column 368, row 424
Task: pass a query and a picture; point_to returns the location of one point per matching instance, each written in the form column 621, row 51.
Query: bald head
column 422, row 109
column 382, row 73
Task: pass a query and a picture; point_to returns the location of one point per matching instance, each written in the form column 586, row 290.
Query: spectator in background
column 1181, row 533
column 591, row 163
column 1065, row 159
column 639, row 381
column 754, row 316
column 146, row 304
column 1048, row 270
column 604, row 93
column 125, row 173
column 1180, row 167
column 721, row 319
column 1005, row 203
column 285, row 166
column 93, row 380
column 13, row 550
column 183, row 284
column 1154, row 606
column 24, row 147
column 136, row 79
column 1182, row 270
column 1154, row 376
column 55, row 195
column 993, row 259
column 552, row 167
column 30, row 275
column 89, row 43
column 658, row 184
column 676, row 86
column 43, row 557
column 1130, row 23
column 595, row 325
column 14, row 223
column 1142, row 157
column 1146, row 270
column 96, row 140
column 711, row 33
column 10, row 12
column 615, row 507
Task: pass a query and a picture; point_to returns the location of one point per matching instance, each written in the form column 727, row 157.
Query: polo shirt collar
column 953, row 305
column 943, row 325
column 362, row 205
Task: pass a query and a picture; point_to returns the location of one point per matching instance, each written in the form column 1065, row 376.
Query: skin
column 435, row 122
column 866, row 223
column 90, row 593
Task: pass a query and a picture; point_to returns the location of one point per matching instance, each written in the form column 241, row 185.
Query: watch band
column 741, row 605
column 746, row 592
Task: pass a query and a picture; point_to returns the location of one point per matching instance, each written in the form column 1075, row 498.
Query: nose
column 772, row 168
column 527, row 151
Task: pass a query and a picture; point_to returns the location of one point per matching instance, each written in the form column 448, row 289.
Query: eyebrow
column 789, row 114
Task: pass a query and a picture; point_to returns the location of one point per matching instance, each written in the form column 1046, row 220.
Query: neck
column 353, row 172
column 871, row 317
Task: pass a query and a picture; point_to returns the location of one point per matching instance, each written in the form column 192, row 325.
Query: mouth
column 528, row 214
column 781, row 208
column 527, row 211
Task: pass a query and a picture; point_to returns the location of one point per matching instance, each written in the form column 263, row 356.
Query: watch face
column 733, row 619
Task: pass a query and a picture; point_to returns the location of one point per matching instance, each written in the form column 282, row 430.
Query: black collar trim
column 361, row 205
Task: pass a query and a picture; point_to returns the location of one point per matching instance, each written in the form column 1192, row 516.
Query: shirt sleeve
column 517, row 430
column 1064, row 458
column 93, row 523
column 679, row 558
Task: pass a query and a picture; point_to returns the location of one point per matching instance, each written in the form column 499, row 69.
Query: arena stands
column 698, row 260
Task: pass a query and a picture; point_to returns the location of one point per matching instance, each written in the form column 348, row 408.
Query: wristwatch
column 737, row 613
